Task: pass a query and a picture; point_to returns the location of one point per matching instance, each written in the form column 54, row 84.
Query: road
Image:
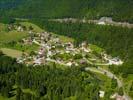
column 110, row 75
column 74, row 20
column 105, row 72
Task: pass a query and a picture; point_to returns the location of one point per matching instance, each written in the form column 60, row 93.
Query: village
column 52, row 49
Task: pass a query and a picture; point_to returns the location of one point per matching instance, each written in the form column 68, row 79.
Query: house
column 115, row 61
column 105, row 20
column 117, row 97
column 101, row 23
column 37, row 62
column 84, row 44
column 101, row 94
column 20, row 29
column 120, row 97
column 113, row 96
column 83, row 61
column 69, row 45
column 30, row 32
column 69, row 64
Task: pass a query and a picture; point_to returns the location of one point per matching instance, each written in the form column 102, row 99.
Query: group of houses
column 18, row 27
column 51, row 49
column 49, row 46
column 112, row 61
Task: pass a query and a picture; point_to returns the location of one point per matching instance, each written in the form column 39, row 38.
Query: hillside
column 119, row 10
column 52, row 78
column 66, row 49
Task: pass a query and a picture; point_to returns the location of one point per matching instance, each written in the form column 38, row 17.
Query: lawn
column 6, row 37
column 106, row 81
column 11, row 52
column 127, row 84
column 2, row 27
column 35, row 27
column 3, row 98
column 96, row 48
column 65, row 39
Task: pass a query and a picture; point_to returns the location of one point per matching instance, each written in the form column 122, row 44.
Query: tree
column 24, row 27
column 27, row 96
column 5, row 91
column 43, row 90
column 19, row 93
column 113, row 83
column 131, row 87
column 1, row 53
column 30, row 28
column 8, row 20
column 32, row 53
column 120, row 91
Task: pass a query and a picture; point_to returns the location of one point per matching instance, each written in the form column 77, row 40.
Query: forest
column 119, row 10
column 46, row 82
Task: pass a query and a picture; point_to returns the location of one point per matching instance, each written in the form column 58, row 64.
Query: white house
column 101, row 94
column 101, row 23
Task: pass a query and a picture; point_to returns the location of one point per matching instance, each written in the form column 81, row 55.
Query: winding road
column 101, row 71
column 105, row 72
column 110, row 75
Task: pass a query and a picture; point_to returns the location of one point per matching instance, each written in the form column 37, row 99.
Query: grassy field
column 96, row 49
column 36, row 28
column 64, row 39
column 3, row 98
column 6, row 37
column 11, row 52
column 2, row 27
column 128, row 83
column 106, row 80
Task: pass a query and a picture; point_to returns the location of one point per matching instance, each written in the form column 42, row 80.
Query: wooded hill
column 119, row 10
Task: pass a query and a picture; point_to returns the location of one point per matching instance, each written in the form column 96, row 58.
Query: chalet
column 101, row 94
column 120, row 98
column 83, row 61
column 116, row 96
column 101, row 23
column 20, row 29
column 115, row 61
column 69, row 64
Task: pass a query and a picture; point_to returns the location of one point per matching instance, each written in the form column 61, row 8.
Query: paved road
column 110, row 75
column 105, row 72
column 74, row 20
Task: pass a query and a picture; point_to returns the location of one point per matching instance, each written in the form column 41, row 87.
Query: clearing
column 11, row 52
